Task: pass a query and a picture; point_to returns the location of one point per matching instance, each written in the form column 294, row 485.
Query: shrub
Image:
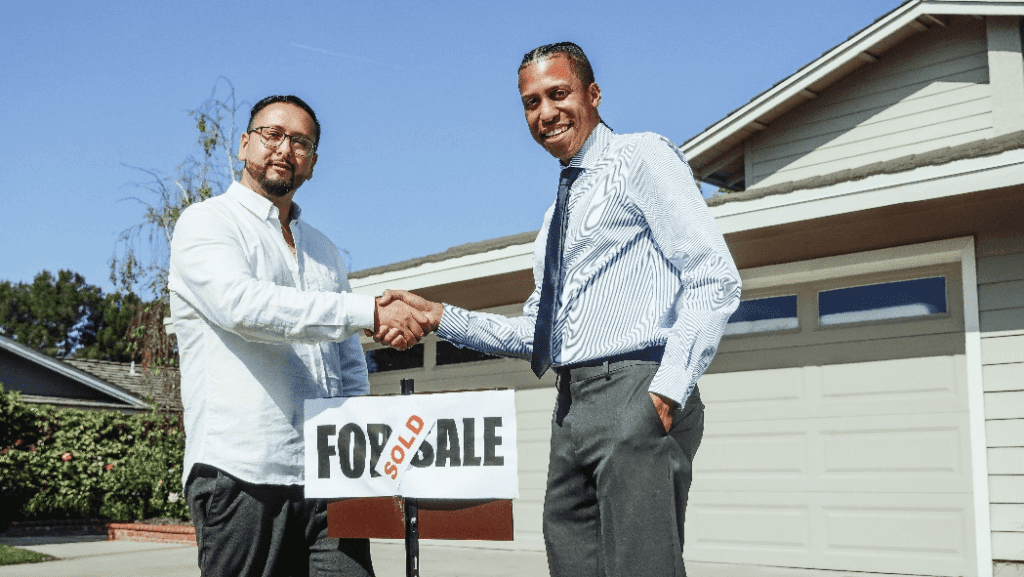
column 71, row 463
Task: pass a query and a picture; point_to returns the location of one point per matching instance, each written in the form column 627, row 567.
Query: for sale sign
column 435, row 446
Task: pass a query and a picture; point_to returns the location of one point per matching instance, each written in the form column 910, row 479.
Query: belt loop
column 607, row 372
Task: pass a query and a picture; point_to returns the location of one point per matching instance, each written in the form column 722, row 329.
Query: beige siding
column 930, row 92
column 1001, row 305
column 1006, row 461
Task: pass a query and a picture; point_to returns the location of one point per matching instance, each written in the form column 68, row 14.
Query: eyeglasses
column 273, row 138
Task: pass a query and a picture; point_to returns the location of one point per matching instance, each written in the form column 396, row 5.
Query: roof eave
column 71, row 372
column 746, row 117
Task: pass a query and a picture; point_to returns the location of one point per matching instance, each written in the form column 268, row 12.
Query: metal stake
column 412, row 530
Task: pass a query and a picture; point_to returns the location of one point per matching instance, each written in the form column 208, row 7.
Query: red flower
column 65, row 457
column 109, row 466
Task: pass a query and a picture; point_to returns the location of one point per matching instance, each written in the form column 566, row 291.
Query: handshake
column 401, row 319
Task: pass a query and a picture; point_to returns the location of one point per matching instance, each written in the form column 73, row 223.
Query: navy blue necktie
column 551, row 289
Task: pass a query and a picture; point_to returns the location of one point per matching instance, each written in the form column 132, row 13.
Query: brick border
column 179, row 534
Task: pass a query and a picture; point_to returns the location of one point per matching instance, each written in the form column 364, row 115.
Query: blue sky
column 424, row 143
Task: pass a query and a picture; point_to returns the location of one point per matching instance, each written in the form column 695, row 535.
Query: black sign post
column 412, row 531
column 392, row 517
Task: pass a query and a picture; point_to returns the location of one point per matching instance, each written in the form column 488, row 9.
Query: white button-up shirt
column 259, row 331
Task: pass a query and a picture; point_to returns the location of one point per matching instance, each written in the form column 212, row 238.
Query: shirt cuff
column 360, row 310
column 667, row 384
column 454, row 324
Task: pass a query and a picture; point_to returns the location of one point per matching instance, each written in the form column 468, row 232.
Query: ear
column 243, row 142
column 312, row 164
column 594, row 94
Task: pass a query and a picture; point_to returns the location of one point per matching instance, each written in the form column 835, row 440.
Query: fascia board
column 509, row 259
column 972, row 8
column 837, row 57
column 925, row 183
column 803, row 78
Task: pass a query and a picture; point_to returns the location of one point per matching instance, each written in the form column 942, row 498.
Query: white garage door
column 839, row 442
column 533, row 419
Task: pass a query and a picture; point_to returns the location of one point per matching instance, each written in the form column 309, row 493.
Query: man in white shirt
column 266, row 319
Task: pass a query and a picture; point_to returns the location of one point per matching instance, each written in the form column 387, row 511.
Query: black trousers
column 256, row 530
column 617, row 482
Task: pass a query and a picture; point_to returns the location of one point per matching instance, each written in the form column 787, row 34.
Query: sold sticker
column 403, row 445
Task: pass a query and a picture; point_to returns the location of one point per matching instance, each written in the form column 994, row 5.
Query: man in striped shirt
column 634, row 286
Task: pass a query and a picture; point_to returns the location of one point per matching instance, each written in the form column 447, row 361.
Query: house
column 865, row 411
column 162, row 385
column 84, row 383
column 42, row 379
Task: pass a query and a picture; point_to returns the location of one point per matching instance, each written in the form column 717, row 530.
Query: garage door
column 839, row 439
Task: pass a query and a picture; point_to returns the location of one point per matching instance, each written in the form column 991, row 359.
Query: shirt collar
column 593, row 149
column 256, row 203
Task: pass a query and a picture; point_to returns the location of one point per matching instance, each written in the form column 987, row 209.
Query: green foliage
column 63, row 315
column 52, row 314
column 112, row 338
column 70, row 463
column 148, row 484
column 12, row 556
column 17, row 420
column 148, row 338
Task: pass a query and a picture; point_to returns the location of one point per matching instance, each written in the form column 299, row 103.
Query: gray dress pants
column 617, row 482
column 255, row 530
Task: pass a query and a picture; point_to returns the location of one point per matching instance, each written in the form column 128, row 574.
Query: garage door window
column 764, row 315
column 382, row 360
column 883, row 301
column 449, row 354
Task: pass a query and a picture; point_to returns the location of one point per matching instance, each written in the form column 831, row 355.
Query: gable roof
column 162, row 386
column 716, row 154
column 66, row 370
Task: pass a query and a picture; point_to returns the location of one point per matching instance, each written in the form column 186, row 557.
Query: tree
column 141, row 256
column 65, row 316
column 55, row 315
column 111, row 335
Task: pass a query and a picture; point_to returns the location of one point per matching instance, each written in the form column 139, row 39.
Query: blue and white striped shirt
column 644, row 264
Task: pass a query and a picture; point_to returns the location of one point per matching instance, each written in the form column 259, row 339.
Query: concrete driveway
column 96, row 557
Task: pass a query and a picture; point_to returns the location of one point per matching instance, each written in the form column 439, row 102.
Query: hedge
column 78, row 464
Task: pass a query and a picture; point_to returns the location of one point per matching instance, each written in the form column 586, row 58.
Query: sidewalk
column 96, row 557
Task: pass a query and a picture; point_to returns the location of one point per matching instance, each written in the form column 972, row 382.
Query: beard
column 276, row 187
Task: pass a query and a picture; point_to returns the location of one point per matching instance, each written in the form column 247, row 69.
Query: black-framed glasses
column 273, row 137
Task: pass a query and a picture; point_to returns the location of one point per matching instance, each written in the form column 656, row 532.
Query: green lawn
column 11, row 556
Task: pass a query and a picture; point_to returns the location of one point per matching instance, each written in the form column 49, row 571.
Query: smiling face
column 560, row 111
column 277, row 172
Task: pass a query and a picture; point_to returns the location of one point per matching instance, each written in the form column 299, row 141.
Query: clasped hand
column 401, row 319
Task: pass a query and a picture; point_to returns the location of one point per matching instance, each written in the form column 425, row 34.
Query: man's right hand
column 402, row 318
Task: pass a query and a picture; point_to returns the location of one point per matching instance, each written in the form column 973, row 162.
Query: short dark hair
column 290, row 100
column 577, row 59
